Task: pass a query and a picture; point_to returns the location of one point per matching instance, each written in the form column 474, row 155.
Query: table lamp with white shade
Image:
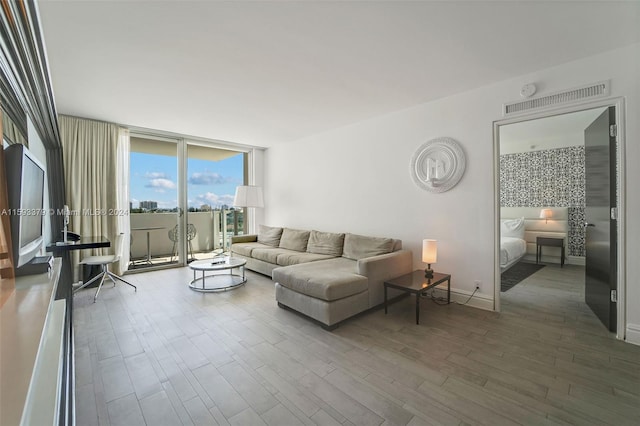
column 429, row 255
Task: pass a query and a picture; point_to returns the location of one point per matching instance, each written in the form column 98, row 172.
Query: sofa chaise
column 328, row 277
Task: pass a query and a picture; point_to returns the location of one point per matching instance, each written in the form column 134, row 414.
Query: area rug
column 517, row 273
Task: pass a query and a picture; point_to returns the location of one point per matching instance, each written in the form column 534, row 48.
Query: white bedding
column 511, row 249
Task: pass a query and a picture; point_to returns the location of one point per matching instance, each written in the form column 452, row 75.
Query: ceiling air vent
column 574, row 95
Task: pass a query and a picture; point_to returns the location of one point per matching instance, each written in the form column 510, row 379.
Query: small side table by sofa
column 416, row 283
column 550, row 242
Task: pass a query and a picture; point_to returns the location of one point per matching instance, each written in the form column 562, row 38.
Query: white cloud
column 156, row 175
column 207, row 178
column 214, row 200
column 161, row 184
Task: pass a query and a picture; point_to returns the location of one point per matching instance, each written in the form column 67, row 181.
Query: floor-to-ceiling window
column 181, row 200
column 154, row 201
column 212, row 177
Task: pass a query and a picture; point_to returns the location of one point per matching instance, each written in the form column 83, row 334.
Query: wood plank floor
column 167, row 355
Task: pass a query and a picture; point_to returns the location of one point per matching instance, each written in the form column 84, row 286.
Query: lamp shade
column 429, row 251
column 248, row 196
column 546, row 213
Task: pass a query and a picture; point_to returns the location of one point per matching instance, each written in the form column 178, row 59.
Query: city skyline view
column 154, row 177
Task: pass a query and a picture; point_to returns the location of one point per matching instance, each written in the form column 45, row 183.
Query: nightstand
column 416, row 283
column 549, row 242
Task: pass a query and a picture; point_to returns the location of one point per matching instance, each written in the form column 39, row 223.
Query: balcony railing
column 214, row 230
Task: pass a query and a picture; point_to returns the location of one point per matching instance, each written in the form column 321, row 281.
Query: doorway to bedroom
column 551, row 175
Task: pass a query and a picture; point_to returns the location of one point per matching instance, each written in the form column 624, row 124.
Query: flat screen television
column 25, row 190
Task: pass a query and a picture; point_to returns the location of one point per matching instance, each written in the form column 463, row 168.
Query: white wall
column 356, row 178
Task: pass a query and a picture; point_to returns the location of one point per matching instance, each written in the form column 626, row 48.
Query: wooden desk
column 83, row 243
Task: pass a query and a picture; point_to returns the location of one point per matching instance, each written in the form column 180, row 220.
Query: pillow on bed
column 512, row 228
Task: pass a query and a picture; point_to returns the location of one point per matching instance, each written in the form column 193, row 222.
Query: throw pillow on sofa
column 325, row 243
column 294, row 239
column 359, row 246
column 269, row 236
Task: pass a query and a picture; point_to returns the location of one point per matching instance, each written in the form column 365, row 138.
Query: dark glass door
column 601, row 226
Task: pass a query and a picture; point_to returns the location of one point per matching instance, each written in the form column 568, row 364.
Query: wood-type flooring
column 167, row 355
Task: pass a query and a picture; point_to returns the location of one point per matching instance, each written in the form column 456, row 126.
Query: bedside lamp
column 546, row 214
column 429, row 255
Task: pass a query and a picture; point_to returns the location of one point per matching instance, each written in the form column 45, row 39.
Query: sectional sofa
column 328, row 277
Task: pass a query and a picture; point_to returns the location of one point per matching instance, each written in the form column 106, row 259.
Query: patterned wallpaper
column 549, row 178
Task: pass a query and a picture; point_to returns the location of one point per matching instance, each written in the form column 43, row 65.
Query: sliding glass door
column 212, row 177
column 181, row 200
column 154, row 202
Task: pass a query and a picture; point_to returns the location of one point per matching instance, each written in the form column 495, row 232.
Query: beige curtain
column 11, row 132
column 96, row 183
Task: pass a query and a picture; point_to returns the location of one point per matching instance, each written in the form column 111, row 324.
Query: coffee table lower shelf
column 216, row 282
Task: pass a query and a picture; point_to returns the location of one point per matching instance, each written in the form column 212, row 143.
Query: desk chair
column 104, row 261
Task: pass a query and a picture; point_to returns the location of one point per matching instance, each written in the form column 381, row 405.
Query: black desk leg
column 417, row 308
column 385, row 300
column 449, row 291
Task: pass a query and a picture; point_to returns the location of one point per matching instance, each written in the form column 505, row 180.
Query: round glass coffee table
column 217, row 282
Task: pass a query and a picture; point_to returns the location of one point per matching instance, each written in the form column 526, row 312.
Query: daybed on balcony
column 326, row 276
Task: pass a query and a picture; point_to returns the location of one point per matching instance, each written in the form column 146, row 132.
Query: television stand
column 37, row 265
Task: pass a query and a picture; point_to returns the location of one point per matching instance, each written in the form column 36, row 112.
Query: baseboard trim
column 570, row 260
column 632, row 334
column 479, row 301
column 576, row 260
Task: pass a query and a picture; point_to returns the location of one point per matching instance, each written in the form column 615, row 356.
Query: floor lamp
column 248, row 196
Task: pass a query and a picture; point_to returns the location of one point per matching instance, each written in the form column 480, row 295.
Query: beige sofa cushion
column 294, row 239
column 325, row 243
column 359, row 246
column 269, row 235
column 285, row 257
column 329, row 280
column 246, row 249
column 294, row 258
column 269, row 255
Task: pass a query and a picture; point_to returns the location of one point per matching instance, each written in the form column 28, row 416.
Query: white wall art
column 438, row 165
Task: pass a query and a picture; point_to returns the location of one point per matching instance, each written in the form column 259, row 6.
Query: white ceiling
column 260, row 73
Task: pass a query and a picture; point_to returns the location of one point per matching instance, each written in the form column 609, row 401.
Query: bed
column 512, row 243
column 511, row 251
column 519, row 229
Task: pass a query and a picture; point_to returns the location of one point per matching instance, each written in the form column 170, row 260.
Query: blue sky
column 155, row 178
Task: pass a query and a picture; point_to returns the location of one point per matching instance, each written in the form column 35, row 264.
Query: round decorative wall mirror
column 438, row 165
